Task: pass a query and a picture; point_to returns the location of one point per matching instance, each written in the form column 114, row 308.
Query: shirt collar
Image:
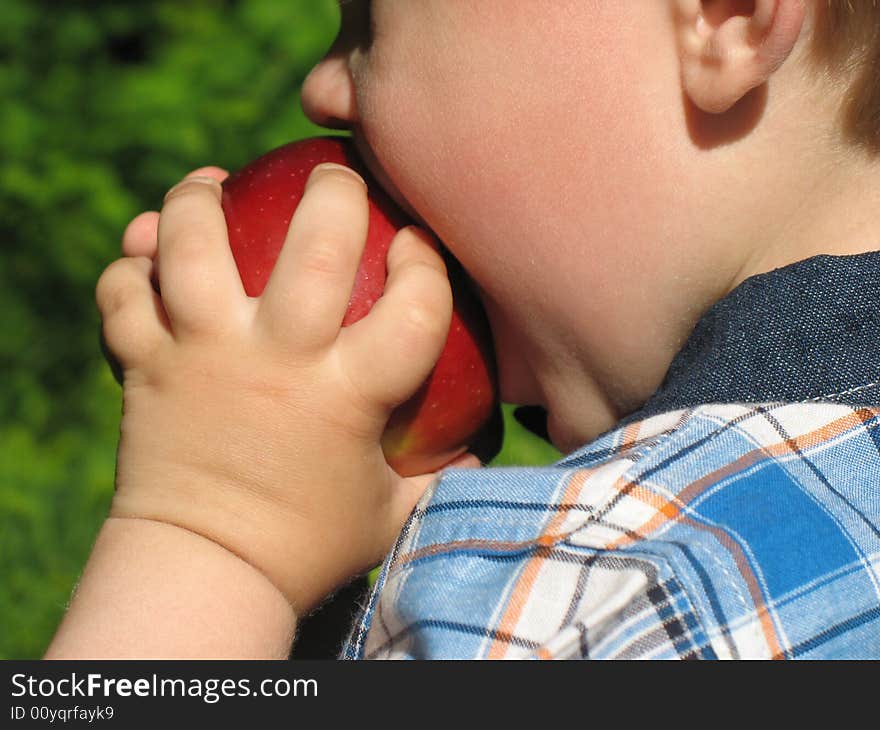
column 808, row 331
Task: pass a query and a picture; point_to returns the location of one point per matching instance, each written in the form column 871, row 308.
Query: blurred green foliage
column 103, row 106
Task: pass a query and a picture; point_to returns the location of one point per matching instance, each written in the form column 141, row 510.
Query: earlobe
column 729, row 47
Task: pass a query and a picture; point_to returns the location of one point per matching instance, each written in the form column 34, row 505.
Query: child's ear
column 729, row 47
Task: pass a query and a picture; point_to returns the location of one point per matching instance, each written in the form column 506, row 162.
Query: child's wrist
column 265, row 536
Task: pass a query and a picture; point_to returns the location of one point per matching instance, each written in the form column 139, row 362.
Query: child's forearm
column 153, row 590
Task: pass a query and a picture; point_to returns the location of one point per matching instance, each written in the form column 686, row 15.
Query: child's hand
column 256, row 422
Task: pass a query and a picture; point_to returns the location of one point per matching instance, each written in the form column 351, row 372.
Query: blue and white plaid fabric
column 722, row 532
column 749, row 530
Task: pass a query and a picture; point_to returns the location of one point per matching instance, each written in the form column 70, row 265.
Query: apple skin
column 457, row 406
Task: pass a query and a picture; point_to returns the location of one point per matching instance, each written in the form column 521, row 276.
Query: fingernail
column 331, row 167
column 201, row 179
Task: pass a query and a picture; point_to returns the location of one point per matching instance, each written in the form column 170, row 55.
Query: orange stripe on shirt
column 525, row 581
column 668, row 509
column 672, row 509
column 630, row 435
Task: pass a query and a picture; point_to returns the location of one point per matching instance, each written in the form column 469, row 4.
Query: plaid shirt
column 745, row 526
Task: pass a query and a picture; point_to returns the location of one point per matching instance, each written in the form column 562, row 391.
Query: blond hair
column 846, row 42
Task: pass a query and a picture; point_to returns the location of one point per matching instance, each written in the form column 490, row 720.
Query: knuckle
column 436, row 264
column 435, row 270
column 424, row 319
column 129, row 338
column 190, row 249
column 323, row 255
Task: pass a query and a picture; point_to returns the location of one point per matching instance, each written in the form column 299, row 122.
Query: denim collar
column 808, row 331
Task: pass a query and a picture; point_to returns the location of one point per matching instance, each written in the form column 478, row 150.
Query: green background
column 103, row 106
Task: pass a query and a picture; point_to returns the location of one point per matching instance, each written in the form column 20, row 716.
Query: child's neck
column 837, row 213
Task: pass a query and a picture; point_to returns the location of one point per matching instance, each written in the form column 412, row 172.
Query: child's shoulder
column 726, row 522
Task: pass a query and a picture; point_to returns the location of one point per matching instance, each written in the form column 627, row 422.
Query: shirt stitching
column 841, row 394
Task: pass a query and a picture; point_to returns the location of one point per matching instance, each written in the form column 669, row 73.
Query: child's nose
column 328, row 95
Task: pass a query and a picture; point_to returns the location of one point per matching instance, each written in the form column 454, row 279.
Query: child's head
column 605, row 170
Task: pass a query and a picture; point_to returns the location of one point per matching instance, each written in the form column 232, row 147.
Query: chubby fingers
column 134, row 321
column 308, row 291
column 141, row 236
column 389, row 353
column 200, row 284
column 218, row 173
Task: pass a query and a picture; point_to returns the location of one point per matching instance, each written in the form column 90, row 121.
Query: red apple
column 457, row 404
